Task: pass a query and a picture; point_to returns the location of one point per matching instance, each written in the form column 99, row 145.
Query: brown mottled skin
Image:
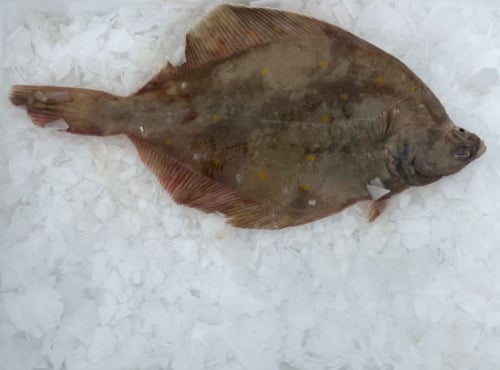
column 296, row 127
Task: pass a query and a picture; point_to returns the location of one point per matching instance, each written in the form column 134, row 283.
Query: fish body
column 275, row 120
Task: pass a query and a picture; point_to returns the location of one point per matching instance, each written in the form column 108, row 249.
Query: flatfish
column 274, row 120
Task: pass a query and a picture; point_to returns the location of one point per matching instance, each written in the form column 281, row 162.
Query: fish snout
column 470, row 147
column 481, row 148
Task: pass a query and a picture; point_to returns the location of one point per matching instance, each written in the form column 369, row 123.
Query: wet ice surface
column 100, row 270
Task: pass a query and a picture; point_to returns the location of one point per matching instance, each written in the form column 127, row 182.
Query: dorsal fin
column 229, row 30
column 195, row 190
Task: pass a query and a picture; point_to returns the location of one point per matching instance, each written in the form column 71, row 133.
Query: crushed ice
column 99, row 269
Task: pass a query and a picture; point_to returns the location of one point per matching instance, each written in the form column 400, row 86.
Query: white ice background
column 99, row 269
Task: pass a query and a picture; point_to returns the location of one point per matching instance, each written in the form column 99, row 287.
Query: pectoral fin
column 377, row 207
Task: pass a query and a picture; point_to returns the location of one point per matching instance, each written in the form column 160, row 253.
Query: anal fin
column 196, row 190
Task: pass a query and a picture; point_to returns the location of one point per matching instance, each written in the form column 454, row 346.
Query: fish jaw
column 481, row 149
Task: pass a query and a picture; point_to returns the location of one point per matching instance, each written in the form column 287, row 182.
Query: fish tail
column 85, row 111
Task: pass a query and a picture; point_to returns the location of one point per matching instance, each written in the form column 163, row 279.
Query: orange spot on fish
column 304, row 187
column 217, row 161
column 265, row 71
column 262, row 175
column 380, row 81
column 168, row 141
column 222, row 45
column 413, row 90
column 215, row 118
column 323, row 64
column 326, row 118
column 314, row 91
column 277, row 28
column 252, row 33
column 344, row 96
column 310, row 157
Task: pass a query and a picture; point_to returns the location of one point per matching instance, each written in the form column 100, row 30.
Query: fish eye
column 462, row 153
column 461, row 130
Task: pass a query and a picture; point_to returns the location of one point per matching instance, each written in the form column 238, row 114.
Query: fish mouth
column 481, row 149
column 473, row 145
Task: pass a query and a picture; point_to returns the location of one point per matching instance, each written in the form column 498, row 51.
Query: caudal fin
column 83, row 110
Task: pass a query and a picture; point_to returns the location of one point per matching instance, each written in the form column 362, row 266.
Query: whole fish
column 275, row 119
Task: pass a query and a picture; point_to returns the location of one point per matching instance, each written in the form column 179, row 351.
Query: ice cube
column 154, row 312
column 61, row 344
column 353, row 7
column 213, row 225
column 376, row 192
column 20, row 166
column 119, row 41
column 105, row 208
column 107, row 309
column 37, row 311
column 19, row 46
column 20, row 353
column 483, row 80
column 103, row 344
column 82, row 323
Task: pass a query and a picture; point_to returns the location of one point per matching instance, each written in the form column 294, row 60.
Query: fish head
column 427, row 151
